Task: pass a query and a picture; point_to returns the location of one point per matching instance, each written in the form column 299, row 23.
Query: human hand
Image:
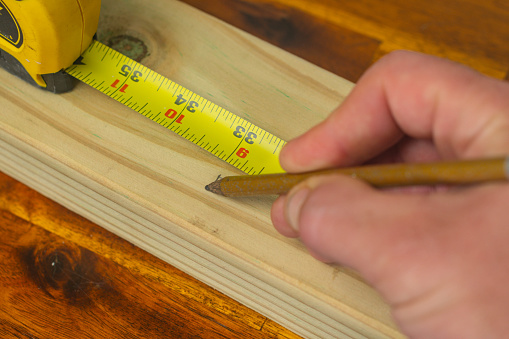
column 440, row 258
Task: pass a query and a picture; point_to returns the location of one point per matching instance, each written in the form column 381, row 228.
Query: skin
column 439, row 257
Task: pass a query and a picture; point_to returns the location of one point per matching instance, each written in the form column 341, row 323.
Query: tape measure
column 227, row 136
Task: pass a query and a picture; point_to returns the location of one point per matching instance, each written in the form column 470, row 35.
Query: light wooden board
column 146, row 184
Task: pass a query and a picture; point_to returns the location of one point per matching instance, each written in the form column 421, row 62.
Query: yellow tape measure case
column 40, row 38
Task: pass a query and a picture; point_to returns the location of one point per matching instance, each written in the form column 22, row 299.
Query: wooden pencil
column 388, row 175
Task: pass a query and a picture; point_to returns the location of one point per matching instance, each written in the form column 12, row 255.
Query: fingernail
column 294, row 204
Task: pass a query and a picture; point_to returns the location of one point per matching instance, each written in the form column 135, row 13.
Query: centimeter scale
column 222, row 133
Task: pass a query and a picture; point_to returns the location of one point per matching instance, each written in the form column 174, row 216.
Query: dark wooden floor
column 346, row 37
column 62, row 276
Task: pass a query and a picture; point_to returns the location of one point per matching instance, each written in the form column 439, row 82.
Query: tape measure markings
column 211, row 127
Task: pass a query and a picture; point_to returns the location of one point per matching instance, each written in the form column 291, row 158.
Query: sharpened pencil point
column 214, row 187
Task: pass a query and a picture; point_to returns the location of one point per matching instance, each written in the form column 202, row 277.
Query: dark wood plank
column 477, row 28
column 347, row 36
column 63, row 276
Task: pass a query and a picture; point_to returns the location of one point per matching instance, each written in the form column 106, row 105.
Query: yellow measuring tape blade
column 227, row 136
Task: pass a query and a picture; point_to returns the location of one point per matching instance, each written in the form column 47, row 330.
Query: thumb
column 345, row 221
column 436, row 258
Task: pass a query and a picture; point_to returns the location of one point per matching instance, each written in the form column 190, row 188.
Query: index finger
column 462, row 112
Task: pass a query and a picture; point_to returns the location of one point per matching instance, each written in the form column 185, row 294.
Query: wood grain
column 134, row 178
column 472, row 32
column 62, row 276
column 59, row 267
column 333, row 47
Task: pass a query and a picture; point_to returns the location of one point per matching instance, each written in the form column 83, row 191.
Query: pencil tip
column 214, row 187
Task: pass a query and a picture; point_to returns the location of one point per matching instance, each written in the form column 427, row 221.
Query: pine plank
column 135, row 179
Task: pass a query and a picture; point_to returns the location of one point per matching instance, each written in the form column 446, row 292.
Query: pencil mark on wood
column 198, row 222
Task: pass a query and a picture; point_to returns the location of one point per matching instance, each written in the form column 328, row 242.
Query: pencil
column 388, row 175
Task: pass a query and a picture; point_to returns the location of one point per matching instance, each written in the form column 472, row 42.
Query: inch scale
column 211, row 127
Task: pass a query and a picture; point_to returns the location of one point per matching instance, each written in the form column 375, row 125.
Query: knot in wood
column 130, row 46
column 55, row 262
column 62, row 270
